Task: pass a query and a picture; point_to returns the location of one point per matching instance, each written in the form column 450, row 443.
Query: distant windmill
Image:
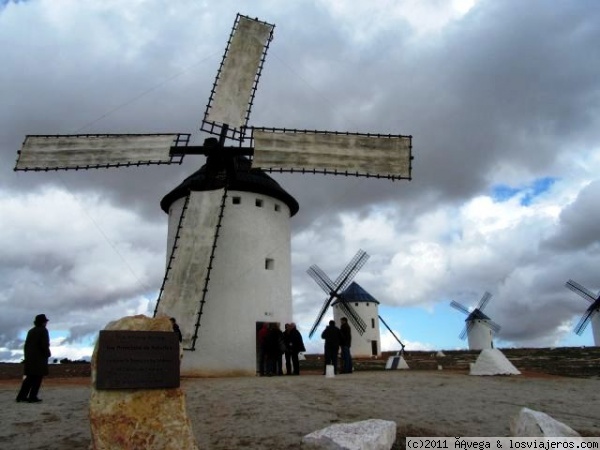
column 478, row 327
column 591, row 314
column 367, row 308
column 245, row 279
column 354, row 303
column 334, row 290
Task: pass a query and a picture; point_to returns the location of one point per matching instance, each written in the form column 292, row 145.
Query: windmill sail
column 235, row 84
column 383, row 156
column 345, row 278
column 484, row 301
column 321, row 278
column 322, row 312
column 185, row 281
column 585, row 320
column 93, row 151
column 353, row 316
column 591, row 311
column 465, row 331
column 459, row 307
column 581, row 291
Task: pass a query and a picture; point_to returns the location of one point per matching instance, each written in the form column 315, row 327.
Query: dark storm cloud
column 578, row 223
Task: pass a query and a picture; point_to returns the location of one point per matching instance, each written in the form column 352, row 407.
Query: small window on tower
column 259, row 202
column 277, row 207
column 367, row 304
column 269, row 264
column 356, row 304
column 372, row 323
column 236, row 200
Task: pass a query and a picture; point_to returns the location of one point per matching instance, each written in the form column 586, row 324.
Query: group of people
column 273, row 344
column 336, row 339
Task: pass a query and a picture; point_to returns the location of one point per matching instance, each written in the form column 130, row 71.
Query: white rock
column 538, row 424
column 492, row 361
column 372, row 434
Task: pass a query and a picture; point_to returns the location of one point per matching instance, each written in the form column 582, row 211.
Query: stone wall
column 565, row 361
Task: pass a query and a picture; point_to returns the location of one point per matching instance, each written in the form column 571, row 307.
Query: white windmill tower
column 479, row 328
column 367, row 307
column 228, row 260
column 591, row 314
column 369, row 343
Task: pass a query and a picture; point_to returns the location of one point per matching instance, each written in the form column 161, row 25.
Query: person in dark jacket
column 275, row 350
column 261, row 339
column 37, row 352
column 345, row 344
column 288, row 346
column 295, row 345
column 332, row 337
column 176, row 329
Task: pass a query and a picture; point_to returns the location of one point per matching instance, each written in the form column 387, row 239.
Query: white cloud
column 366, row 20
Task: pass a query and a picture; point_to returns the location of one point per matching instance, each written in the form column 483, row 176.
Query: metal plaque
column 137, row 360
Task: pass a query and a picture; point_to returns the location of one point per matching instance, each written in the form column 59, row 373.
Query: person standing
column 37, row 352
column 288, row 347
column 275, row 349
column 345, row 344
column 261, row 339
column 296, row 345
column 176, row 329
column 332, row 336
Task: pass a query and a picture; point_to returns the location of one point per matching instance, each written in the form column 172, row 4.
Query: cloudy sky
column 502, row 98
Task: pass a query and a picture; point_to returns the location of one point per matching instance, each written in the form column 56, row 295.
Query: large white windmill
column 591, row 314
column 479, row 327
column 228, row 258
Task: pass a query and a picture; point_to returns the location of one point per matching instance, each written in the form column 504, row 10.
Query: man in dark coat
column 261, row 339
column 295, row 345
column 345, row 344
column 275, row 349
column 288, row 346
column 332, row 337
column 37, row 352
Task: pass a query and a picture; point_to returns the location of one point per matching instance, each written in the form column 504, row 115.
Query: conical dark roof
column 246, row 180
column 477, row 314
column 355, row 293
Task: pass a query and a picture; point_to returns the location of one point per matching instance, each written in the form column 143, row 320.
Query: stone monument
column 151, row 418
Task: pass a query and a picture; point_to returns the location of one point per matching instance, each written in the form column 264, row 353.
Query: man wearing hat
column 37, row 352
